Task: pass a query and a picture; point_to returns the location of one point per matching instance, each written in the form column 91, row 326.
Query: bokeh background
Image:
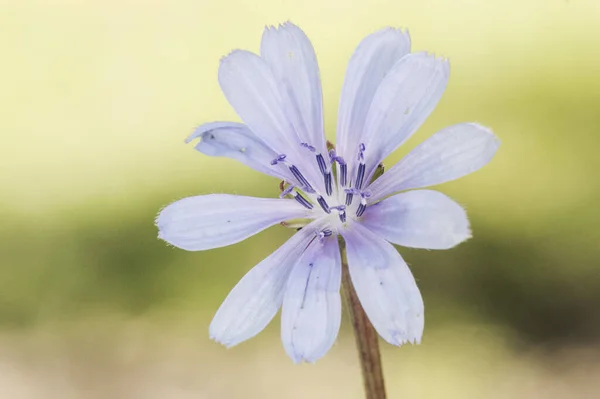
column 96, row 98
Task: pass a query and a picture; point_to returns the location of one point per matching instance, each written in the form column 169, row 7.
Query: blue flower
column 388, row 92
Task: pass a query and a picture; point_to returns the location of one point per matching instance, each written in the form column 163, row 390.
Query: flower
column 388, row 92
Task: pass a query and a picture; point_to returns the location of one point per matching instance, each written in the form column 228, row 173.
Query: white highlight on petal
column 385, row 286
column 404, row 99
column 216, row 220
column 255, row 300
column 419, row 219
column 235, row 140
column 312, row 309
column 292, row 59
column 451, row 153
column 371, row 61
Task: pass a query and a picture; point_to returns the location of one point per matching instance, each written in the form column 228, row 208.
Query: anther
column 323, row 204
column 280, row 158
column 322, row 164
column 360, row 176
column 308, row 146
column 341, row 212
column 328, row 183
column 349, row 197
column 286, row 191
column 303, row 201
column 363, row 203
column 306, row 185
column 322, row 234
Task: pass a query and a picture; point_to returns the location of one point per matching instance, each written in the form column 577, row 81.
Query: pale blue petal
column 290, row 55
column 312, row 309
column 447, row 155
column 385, row 286
column 253, row 91
column 404, row 99
column 217, row 220
column 371, row 61
column 235, row 140
column 255, row 300
column 419, row 219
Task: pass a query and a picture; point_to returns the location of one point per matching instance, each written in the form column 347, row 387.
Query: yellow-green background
column 96, row 98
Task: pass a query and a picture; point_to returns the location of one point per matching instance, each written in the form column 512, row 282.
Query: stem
column 366, row 337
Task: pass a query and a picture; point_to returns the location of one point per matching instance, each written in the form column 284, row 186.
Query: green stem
column 366, row 337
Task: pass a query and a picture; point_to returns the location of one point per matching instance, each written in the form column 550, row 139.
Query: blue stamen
column 322, row 234
column 322, row 164
column 280, row 158
column 328, row 183
column 349, row 198
column 287, row 191
column 323, row 204
column 343, row 174
column 360, row 176
column 308, row 146
column 360, row 210
column 303, row 201
column 343, row 216
column 301, row 179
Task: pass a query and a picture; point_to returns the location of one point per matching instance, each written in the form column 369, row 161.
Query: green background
column 96, row 98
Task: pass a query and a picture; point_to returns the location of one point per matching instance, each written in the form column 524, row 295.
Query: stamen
column 361, row 152
column 361, row 209
column 301, row 179
column 343, row 174
column 343, row 216
column 303, row 201
column 343, row 167
column 328, row 183
column 349, row 197
column 322, row 234
column 308, row 146
column 363, row 203
column 341, row 212
column 286, row 191
column 280, row 158
column 322, row 164
column 323, row 204
column 360, row 176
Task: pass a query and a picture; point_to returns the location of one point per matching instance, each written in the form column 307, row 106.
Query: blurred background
column 96, row 99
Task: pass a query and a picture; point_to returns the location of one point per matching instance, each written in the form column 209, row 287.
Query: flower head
column 388, row 92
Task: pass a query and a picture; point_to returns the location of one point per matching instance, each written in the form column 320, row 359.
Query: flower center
column 345, row 198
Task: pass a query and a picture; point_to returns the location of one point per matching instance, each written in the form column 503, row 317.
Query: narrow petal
column 252, row 90
column 235, row 140
column 385, row 286
column 371, row 61
column 217, row 220
column 290, row 55
column 449, row 154
column 312, row 309
column 419, row 219
column 404, row 99
column 255, row 300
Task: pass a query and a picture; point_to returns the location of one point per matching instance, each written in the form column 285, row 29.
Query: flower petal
column 292, row 58
column 419, row 219
column 385, row 286
column 254, row 301
column 252, row 90
column 312, row 309
column 216, row 220
column 235, row 140
column 404, row 99
column 451, row 153
column 371, row 61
